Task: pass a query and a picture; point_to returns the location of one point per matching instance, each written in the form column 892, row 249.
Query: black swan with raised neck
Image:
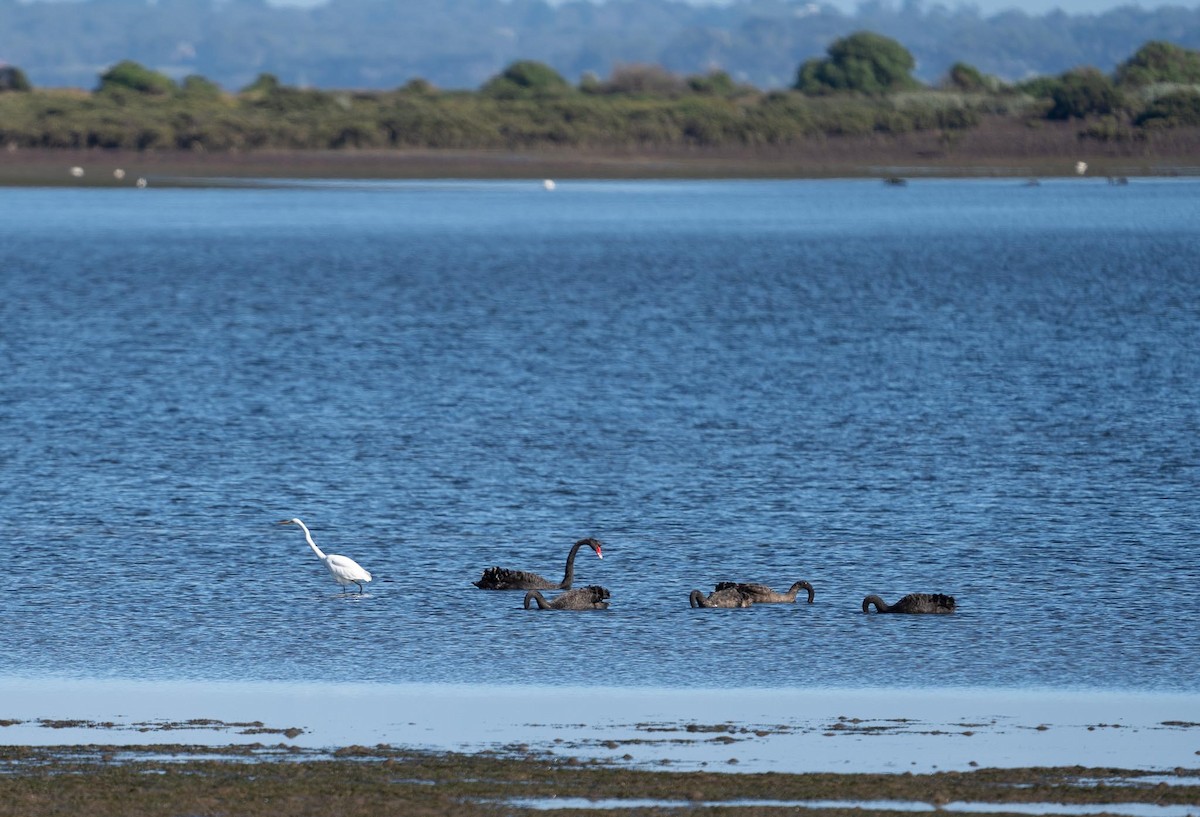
column 761, row 594
column 591, row 597
column 912, row 603
column 728, row 597
column 501, row 578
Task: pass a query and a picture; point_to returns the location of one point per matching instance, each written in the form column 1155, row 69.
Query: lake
column 970, row 387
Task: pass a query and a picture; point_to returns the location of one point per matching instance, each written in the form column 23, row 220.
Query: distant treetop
column 1160, row 61
column 13, row 78
column 128, row 75
column 526, row 78
column 865, row 62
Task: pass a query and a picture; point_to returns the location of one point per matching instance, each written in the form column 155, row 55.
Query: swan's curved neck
column 696, row 599
column 308, row 538
column 535, row 596
column 798, row 586
column 569, row 573
column 880, row 605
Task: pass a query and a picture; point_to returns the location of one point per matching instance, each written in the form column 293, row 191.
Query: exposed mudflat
column 261, row 779
column 793, row 731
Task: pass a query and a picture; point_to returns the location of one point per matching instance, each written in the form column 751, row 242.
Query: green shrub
column 13, row 78
column 714, row 83
column 524, row 79
column 418, row 87
column 1160, row 61
column 864, row 62
column 264, row 85
column 128, row 75
column 196, row 87
column 1177, row 110
column 1082, row 93
column 969, row 79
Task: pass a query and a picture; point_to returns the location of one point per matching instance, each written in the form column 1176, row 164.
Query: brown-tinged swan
column 501, row 578
column 729, row 597
column 591, row 597
column 761, row 594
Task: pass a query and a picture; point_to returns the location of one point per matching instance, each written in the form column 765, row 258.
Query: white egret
column 343, row 569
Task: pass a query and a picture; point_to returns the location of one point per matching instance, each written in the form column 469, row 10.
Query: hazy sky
column 1042, row 6
column 985, row 6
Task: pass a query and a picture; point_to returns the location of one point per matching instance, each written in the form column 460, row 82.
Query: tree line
column 369, row 44
column 863, row 85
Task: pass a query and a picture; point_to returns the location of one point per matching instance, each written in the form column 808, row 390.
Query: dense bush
column 525, row 79
column 1180, row 109
column 1160, row 62
column 13, row 78
column 968, row 78
column 128, row 75
column 1083, row 93
column 864, row 62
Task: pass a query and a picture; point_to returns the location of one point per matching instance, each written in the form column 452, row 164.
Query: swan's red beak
column 599, row 555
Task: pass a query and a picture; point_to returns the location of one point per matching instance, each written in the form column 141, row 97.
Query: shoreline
column 822, row 159
column 793, row 731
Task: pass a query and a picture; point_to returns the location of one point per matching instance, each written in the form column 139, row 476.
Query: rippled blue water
column 969, row 387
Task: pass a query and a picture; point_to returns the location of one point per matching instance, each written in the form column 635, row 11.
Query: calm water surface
column 969, row 387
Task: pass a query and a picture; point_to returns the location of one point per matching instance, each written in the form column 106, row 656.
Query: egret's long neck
column 309, row 539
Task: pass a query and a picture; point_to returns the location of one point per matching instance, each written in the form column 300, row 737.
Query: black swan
column 581, row 598
column 501, row 578
column 912, row 603
column 761, row 594
column 729, row 597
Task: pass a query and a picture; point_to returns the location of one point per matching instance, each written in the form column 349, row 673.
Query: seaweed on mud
column 365, row 780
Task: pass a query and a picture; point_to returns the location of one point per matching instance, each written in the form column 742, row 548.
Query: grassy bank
column 151, row 781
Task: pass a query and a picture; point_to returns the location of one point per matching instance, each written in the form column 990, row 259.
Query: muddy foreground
column 274, row 780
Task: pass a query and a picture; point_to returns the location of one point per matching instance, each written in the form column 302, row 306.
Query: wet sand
column 750, row 730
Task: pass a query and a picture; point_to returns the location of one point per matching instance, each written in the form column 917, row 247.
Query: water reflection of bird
column 344, row 570
column 761, row 594
column 912, row 603
column 726, row 597
column 501, row 578
column 591, row 597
